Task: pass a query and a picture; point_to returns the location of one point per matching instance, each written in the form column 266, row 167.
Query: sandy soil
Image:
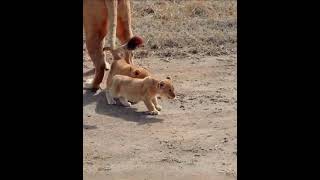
column 195, row 137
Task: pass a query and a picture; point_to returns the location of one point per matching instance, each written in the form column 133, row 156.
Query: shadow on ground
column 117, row 111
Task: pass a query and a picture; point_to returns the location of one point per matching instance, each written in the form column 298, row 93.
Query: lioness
column 100, row 18
column 132, row 89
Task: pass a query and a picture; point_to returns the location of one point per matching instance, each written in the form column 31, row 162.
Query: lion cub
column 132, row 89
column 120, row 66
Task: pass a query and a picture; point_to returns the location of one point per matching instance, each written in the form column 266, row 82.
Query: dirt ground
column 195, row 136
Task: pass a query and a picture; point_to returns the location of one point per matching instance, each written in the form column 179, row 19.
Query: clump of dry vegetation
column 185, row 28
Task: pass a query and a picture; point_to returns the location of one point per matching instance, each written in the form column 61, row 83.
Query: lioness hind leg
column 124, row 29
column 112, row 6
column 124, row 102
column 95, row 27
column 94, row 46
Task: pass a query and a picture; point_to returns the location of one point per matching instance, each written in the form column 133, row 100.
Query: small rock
column 225, row 140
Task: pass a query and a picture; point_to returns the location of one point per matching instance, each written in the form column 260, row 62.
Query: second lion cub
column 132, row 89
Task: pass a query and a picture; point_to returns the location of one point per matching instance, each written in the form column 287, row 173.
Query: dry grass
column 183, row 28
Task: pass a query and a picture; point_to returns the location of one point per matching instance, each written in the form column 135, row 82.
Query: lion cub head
column 166, row 88
column 138, row 72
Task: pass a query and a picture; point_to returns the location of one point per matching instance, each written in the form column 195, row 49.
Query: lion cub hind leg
column 151, row 108
column 124, row 102
column 110, row 99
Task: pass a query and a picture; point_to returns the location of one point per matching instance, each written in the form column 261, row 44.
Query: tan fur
column 121, row 67
column 132, row 89
column 102, row 17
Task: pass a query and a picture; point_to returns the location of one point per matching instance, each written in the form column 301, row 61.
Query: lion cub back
column 133, row 89
column 121, row 67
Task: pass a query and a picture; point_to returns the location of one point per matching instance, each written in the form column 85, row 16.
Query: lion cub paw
column 155, row 112
column 110, row 99
column 158, row 107
column 124, row 102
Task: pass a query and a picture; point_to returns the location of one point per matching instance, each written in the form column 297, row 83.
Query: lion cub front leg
column 155, row 103
column 124, row 102
column 151, row 107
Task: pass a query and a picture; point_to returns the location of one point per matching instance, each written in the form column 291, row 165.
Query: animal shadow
column 91, row 96
column 125, row 113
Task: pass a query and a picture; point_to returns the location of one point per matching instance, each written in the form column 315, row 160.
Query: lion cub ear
column 168, row 77
column 161, row 85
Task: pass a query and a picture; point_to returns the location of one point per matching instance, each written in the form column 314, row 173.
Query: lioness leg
column 112, row 6
column 95, row 27
column 124, row 30
column 94, row 47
